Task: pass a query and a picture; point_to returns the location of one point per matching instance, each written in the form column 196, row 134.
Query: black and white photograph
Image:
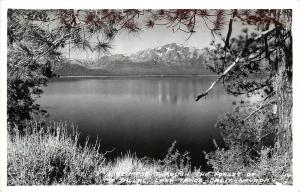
column 149, row 96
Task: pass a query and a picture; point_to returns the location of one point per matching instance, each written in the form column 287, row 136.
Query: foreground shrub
column 51, row 155
column 46, row 156
column 270, row 167
column 176, row 161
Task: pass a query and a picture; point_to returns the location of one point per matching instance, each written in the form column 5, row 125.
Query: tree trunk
column 283, row 88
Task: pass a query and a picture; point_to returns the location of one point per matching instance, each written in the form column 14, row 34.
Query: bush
column 269, row 167
column 250, row 147
column 175, row 160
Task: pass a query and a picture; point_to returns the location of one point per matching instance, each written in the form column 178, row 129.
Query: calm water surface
column 143, row 115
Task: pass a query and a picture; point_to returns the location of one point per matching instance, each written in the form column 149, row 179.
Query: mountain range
column 170, row 59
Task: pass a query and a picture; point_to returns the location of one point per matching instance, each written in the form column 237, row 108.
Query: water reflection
column 144, row 115
column 171, row 90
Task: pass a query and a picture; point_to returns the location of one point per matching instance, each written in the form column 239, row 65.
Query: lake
column 143, row 115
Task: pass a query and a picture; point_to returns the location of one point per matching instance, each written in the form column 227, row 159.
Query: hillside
column 68, row 69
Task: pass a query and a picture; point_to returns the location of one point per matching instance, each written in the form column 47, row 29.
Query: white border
column 153, row 4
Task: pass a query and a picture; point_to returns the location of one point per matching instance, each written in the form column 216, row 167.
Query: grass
column 51, row 155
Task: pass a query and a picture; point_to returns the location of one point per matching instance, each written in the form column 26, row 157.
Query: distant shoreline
column 101, row 76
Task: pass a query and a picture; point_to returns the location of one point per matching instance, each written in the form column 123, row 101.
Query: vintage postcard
column 108, row 96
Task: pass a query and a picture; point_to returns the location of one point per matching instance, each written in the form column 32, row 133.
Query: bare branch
column 219, row 78
column 259, row 108
column 249, row 41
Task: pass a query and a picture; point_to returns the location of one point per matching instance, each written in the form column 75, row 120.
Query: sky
column 158, row 36
column 125, row 43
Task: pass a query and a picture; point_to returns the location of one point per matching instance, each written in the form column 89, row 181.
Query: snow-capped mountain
column 170, row 55
column 168, row 59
